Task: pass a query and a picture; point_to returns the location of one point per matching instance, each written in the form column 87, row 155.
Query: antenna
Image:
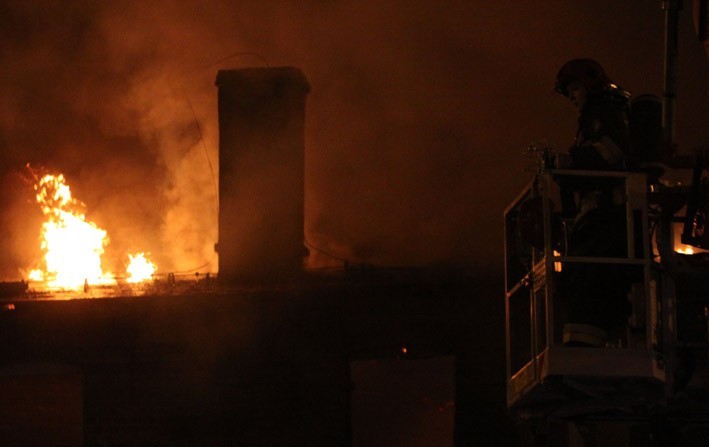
column 701, row 20
column 671, row 8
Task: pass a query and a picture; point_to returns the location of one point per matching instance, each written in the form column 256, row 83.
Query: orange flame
column 685, row 250
column 72, row 245
column 139, row 268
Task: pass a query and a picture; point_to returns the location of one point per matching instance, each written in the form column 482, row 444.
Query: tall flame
column 72, row 246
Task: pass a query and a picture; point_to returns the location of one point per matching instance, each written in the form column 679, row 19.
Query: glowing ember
column 139, row 268
column 685, row 250
column 72, row 245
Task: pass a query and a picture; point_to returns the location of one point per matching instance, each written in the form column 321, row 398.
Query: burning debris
column 73, row 245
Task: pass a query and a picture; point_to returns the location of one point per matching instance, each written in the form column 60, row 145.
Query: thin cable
column 206, row 154
column 242, row 53
column 199, row 127
column 206, row 150
column 330, row 255
column 182, row 272
column 197, row 268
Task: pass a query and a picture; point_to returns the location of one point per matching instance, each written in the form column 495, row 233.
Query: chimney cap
column 243, row 76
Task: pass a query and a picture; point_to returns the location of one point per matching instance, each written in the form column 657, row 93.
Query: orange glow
column 681, row 248
column 72, row 246
column 557, row 265
column 139, row 268
column 685, row 250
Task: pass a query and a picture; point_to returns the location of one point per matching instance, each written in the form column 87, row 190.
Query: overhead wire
column 204, row 144
column 328, row 254
column 241, row 53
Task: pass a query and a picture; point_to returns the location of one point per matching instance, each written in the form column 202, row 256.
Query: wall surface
column 263, row 366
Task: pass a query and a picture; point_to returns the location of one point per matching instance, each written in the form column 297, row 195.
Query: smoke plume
column 416, row 126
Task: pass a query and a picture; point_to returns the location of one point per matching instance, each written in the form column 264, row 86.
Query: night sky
column 416, row 127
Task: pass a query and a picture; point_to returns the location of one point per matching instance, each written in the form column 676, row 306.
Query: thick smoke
column 416, row 125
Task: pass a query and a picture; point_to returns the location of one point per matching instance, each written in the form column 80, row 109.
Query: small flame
column 558, row 267
column 72, row 245
column 139, row 268
column 685, row 250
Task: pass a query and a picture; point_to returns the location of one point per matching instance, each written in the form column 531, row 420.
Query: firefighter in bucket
column 594, row 295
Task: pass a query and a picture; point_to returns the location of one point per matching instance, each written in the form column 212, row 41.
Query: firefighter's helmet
column 588, row 71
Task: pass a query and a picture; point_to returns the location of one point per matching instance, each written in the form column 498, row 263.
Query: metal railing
column 535, row 252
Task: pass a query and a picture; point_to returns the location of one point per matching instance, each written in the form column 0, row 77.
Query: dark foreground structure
column 197, row 363
column 268, row 355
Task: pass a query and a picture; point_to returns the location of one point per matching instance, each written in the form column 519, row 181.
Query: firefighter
column 594, row 296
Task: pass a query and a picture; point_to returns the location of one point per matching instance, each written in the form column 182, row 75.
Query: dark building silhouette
column 265, row 354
